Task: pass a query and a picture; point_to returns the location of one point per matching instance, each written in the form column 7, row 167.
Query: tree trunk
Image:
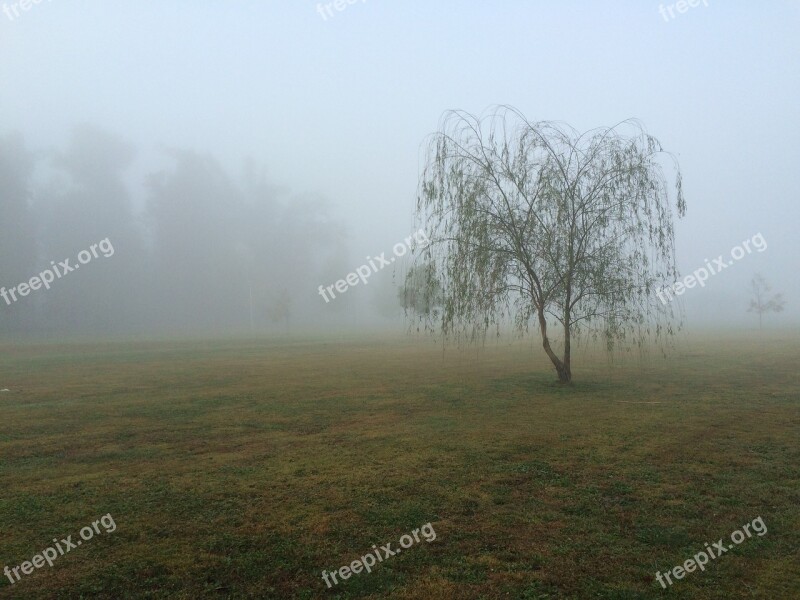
column 567, row 352
column 563, row 369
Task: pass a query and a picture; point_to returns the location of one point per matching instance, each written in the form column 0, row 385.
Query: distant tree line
column 205, row 252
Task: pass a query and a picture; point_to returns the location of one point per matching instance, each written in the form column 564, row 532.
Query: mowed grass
column 242, row 469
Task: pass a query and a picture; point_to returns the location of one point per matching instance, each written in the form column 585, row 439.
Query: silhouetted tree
column 199, row 227
column 90, row 203
column 760, row 303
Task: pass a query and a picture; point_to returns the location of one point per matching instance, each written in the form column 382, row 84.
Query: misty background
column 238, row 155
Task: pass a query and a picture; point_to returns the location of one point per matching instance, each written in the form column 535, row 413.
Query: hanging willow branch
column 534, row 222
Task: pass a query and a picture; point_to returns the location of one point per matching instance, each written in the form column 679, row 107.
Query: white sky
column 341, row 106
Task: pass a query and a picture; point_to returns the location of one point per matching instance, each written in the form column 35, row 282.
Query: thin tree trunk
column 564, row 375
column 567, row 351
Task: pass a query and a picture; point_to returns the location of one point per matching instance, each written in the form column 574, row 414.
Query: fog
column 228, row 159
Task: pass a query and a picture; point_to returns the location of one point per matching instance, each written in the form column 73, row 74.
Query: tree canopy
column 534, row 222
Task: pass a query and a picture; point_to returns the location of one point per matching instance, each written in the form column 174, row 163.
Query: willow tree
column 535, row 223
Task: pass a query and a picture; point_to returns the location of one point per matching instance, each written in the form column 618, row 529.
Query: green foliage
column 534, row 220
column 421, row 293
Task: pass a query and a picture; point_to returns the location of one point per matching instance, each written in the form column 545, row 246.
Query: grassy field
column 242, row 469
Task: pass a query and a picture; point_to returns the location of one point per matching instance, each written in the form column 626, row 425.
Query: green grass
column 243, row 469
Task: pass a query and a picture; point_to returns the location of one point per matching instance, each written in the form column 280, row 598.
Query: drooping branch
column 534, row 219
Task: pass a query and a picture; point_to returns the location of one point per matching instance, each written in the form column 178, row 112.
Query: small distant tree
column 535, row 221
column 760, row 303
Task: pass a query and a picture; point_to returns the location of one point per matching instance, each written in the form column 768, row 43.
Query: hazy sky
column 340, row 106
